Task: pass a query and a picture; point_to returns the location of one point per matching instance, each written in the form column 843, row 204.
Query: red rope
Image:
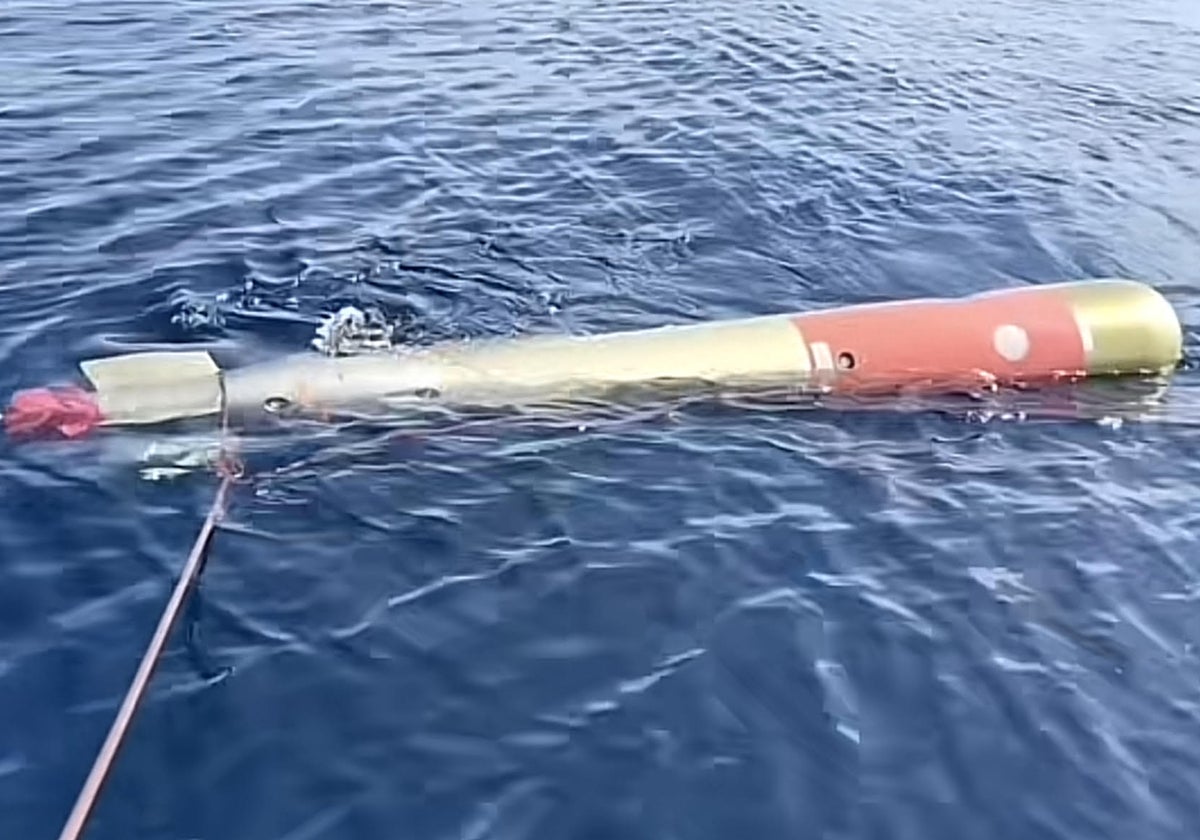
column 230, row 471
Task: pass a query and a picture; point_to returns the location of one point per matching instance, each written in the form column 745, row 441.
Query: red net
column 52, row 412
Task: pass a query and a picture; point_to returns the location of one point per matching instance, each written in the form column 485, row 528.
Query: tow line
column 230, row 471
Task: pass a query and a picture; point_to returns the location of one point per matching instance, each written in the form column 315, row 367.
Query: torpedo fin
column 148, row 369
column 154, row 387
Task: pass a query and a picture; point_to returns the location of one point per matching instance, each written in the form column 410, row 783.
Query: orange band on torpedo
column 1015, row 337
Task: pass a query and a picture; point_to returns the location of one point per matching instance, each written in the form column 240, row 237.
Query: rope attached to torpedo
column 230, row 470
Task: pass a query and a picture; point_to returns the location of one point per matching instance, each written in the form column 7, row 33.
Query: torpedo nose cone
column 1127, row 326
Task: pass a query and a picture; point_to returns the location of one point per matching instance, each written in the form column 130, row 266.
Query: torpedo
column 1035, row 336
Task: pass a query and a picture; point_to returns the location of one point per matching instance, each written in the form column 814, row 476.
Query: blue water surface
column 702, row 624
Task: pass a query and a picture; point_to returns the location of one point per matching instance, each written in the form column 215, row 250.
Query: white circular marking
column 1011, row 342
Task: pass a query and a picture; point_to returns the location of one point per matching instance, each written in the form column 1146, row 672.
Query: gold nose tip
column 1127, row 326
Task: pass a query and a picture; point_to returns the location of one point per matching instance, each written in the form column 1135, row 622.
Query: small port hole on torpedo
column 846, row 360
column 275, row 405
